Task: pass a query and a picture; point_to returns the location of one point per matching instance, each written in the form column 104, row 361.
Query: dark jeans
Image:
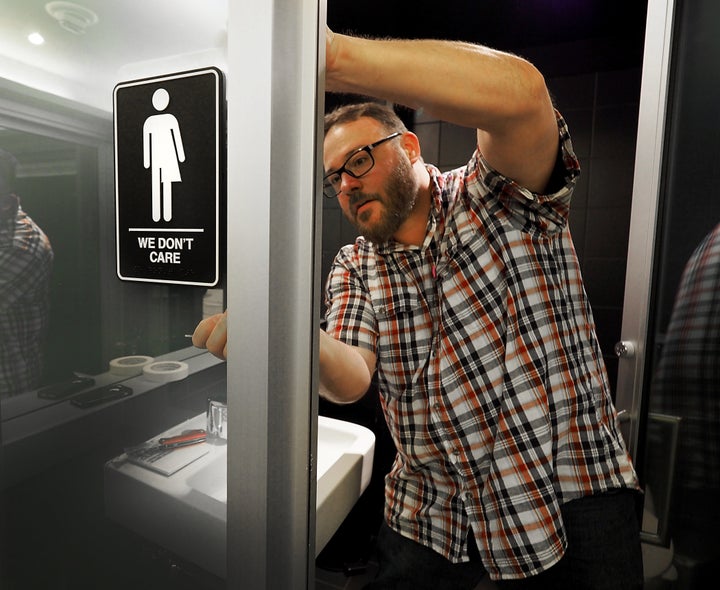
column 603, row 554
column 407, row 565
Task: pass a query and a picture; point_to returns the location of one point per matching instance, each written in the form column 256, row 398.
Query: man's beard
column 401, row 193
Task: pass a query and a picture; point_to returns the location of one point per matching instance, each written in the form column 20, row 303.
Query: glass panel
column 92, row 366
column 682, row 444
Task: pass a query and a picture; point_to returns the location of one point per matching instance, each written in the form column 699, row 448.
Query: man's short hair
column 381, row 112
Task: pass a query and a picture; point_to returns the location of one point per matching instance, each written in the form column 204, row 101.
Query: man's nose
column 348, row 183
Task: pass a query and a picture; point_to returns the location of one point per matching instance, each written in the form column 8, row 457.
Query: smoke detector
column 72, row 17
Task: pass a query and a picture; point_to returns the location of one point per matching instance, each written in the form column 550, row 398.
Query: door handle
column 624, row 416
column 625, row 349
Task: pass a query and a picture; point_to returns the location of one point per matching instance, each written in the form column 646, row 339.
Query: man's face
column 380, row 201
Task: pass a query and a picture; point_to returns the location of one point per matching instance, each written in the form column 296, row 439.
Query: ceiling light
column 36, row 38
column 72, row 17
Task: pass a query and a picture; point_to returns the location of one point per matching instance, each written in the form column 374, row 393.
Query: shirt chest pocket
column 404, row 327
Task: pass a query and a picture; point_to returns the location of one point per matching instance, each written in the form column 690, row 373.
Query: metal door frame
column 275, row 94
column 649, row 160
column 643, row 217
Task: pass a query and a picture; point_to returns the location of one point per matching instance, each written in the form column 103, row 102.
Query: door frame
column 643, row 218
column 632, row 349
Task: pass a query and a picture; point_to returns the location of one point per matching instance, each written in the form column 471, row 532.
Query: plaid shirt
column 489, row 370
column 687, row 379
column 25, row 265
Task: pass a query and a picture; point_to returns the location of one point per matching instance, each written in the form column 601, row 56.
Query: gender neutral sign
column 169, row 146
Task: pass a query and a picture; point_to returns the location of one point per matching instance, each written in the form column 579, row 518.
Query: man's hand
column 331, row 57
column 211, row 333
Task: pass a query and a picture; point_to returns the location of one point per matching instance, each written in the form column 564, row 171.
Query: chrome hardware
column 624, row 416
column 625, row 349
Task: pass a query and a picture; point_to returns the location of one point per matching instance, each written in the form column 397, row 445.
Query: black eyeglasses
column 358, row 164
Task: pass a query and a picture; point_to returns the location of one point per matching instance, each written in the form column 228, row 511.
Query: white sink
column 211, row 479
column 187, row 511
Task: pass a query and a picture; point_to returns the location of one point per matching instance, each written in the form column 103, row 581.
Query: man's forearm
column 462, row 83
column 345, row 371
column 501, row 95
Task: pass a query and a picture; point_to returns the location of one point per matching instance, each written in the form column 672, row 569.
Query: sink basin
column 211, row 479
column 186, row 512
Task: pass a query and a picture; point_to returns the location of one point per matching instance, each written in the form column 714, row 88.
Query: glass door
column 92, row 367
column 82, row 505
column 670, row 352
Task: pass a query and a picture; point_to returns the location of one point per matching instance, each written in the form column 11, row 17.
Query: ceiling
column 82, row 63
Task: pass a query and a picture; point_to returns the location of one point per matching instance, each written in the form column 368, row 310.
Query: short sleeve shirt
column 488, row 366
column 25, row 265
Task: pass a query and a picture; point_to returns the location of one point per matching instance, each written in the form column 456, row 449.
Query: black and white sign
column 169, row 146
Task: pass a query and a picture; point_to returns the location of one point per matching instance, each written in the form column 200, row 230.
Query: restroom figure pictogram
column 162, row 153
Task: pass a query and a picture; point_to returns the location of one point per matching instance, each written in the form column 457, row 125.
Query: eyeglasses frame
column 366, row 148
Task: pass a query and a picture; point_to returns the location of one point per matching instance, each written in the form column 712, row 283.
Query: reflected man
column 687, row 384
column 25, row 265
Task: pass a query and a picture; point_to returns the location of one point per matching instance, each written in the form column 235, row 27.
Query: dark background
column 511, row 25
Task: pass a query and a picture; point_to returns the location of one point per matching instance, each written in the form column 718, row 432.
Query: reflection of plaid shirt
column 490, row 373
column 25, row 264
column 687, row 381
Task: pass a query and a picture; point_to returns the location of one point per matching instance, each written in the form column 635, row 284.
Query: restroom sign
column 169, row 153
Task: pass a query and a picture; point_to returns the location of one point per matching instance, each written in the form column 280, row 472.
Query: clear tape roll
column 166, row 371
column 130, row 365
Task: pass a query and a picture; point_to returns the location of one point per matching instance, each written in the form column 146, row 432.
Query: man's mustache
column 358, row 199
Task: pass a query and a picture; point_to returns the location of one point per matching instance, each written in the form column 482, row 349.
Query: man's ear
column 411, row 145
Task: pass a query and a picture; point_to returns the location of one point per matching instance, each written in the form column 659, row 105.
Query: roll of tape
column 130, row 365
column 166, row 371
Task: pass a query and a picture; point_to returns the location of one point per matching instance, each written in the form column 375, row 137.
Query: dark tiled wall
column 601, row 110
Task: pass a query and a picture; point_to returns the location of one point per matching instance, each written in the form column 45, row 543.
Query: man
column 465, row 295
column 25, row 266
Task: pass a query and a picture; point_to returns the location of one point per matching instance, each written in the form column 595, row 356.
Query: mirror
column 56, row 92
column 71, row 414
column 89, row 316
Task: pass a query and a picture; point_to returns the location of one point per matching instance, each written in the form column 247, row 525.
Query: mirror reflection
column 26, row 258
column 64, row 315
column 684, row 393
column 60, row 62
